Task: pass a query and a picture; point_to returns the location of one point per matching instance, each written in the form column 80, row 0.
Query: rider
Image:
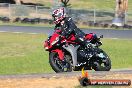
column 68, row 27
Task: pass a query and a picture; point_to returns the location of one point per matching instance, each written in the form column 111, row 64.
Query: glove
column 61, row 37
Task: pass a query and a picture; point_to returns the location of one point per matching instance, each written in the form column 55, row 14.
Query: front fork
column 71, row 49
column 60, row 53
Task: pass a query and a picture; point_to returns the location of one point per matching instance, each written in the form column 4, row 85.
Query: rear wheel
column 102, row 63
column 59, row 65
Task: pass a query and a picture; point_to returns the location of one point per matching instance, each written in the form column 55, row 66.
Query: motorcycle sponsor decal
column 86, row 81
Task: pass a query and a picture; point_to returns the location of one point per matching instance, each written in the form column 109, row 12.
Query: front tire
column 57, row 65
column 97, row 64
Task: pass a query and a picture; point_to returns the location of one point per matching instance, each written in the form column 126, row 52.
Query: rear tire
column 54, row 60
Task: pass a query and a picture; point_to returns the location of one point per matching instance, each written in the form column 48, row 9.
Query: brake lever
column 101, row 36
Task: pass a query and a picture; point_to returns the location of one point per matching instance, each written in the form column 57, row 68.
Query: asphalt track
column 69, row 74
column 116, row 34
column 108, row 33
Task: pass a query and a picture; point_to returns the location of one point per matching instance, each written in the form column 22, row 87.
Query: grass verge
column 86, row 4
column 120, row 52
column 26, row 24
column 52, row 25
column 24, row 53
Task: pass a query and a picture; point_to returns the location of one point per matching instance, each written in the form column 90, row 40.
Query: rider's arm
column 68, row 27
column 57, row 26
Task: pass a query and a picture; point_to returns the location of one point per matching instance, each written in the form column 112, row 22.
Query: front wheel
column 103, row 62
column 59, row 66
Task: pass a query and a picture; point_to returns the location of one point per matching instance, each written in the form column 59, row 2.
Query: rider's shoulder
column 68, row 19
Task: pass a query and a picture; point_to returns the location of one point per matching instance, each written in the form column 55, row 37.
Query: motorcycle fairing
column 73, row 51
column 90, row 36
column 53, row 38
column 48, row 43
column 60, row 53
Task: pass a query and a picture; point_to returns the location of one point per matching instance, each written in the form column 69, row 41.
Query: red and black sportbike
column 66, row 55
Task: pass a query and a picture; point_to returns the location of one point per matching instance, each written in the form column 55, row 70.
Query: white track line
column 114, row 38
column 3, row 31
column 33, row 33
column 111, row 38
column 17, row 32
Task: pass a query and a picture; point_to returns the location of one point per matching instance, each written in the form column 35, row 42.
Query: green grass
column 86, row 4
column 120, row 52
column 27, row 24
column 97, row 4
column 24, row 53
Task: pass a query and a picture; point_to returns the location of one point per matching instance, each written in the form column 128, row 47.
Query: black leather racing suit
column 68, row 28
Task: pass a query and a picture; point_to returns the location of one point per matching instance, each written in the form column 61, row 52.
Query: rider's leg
column 80, row 38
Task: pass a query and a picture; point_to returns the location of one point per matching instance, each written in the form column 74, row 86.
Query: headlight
column 56, row 40
column 46, row 48
column 46, row 45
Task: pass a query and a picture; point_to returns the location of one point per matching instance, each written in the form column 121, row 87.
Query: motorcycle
column 66, row 55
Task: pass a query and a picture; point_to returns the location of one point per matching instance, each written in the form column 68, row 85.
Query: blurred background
column 84, row 12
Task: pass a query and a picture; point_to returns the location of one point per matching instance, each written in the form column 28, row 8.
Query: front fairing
column 47, row 44
column 51, row 41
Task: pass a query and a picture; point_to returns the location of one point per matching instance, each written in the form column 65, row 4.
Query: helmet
column 58, row 15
